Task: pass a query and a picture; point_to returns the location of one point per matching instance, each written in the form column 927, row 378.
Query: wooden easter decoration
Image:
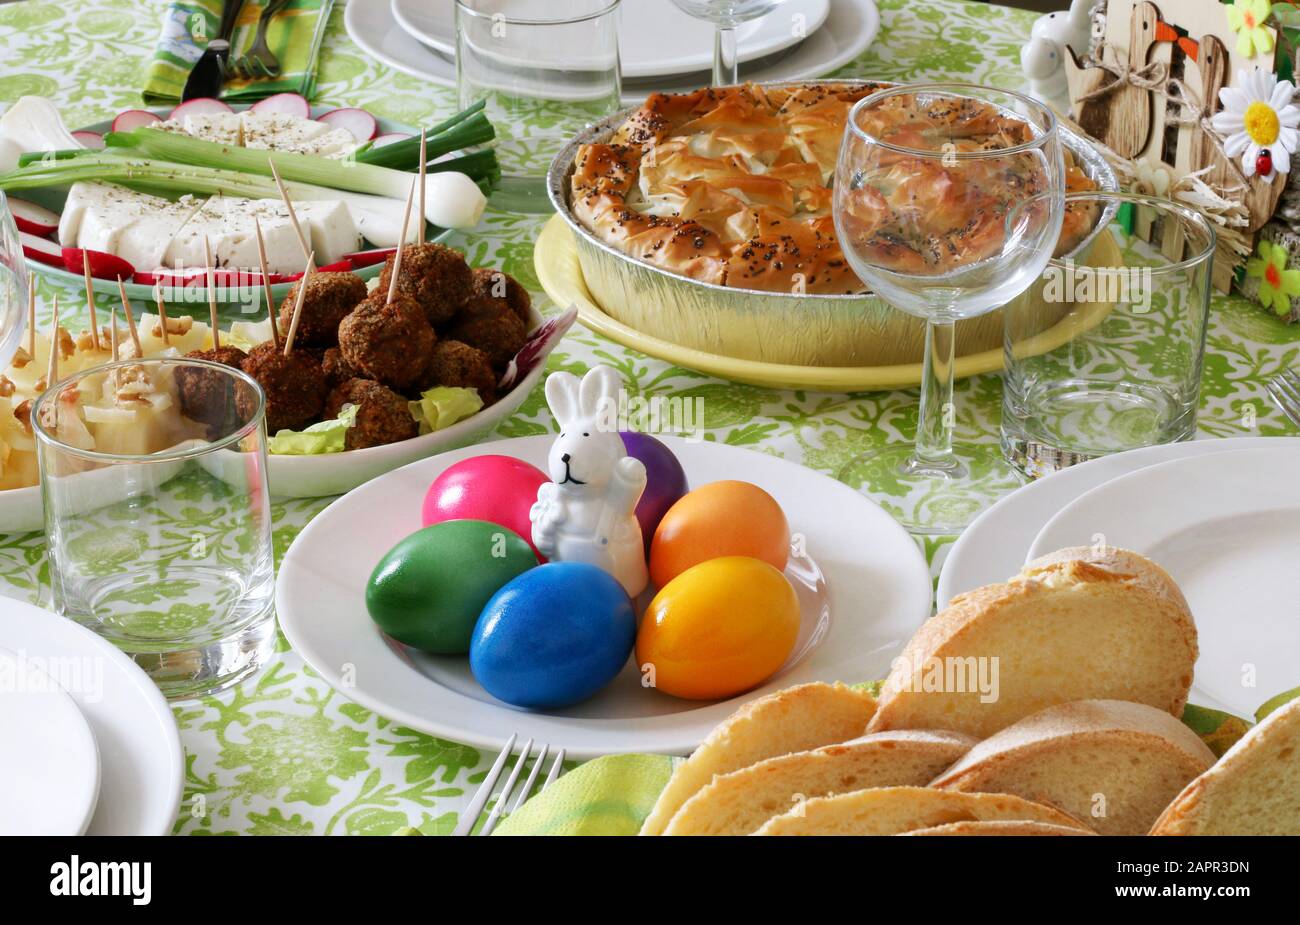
column 1121, row 118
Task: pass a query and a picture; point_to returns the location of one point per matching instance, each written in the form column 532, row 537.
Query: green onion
column 467, row 127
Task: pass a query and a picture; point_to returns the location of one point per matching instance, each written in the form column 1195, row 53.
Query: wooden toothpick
column 420, row 207
column 297, row 305
column 266, row 283
column 52, row 372
column 293, row 216
column 162, row 316
column 90, row 301
column 401, row 244
column 130, row 318
column 212, row 295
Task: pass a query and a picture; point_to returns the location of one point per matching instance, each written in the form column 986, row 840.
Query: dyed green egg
column 428, row 591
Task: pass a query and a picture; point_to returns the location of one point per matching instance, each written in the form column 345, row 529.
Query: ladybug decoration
column 1264, row 165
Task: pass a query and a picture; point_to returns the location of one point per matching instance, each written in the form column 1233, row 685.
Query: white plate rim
column 764, row 38
column 810, row 59
column 1020, row 515
column 42, row 632
column 591, row 737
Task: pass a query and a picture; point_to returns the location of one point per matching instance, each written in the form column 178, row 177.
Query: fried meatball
column 329, row 298
column 383, row 416
column 387, row 343
column 294, row 387
column 499, row 334
column 435, row 276
column 492, row 287
column 338, row 370
column 459, row 365
column 207, row 396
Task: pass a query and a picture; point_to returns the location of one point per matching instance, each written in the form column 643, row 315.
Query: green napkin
column 294, row 37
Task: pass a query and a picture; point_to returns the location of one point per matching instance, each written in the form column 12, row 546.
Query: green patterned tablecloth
column 285, row 753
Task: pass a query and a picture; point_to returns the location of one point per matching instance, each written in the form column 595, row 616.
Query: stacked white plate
column 87, row 742
column 1221, row 516
column 661, row 47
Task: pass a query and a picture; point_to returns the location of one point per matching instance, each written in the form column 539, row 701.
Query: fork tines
column 1285, row 391
column 465, row 824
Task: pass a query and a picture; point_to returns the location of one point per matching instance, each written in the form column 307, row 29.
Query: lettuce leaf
column 444, row 405
column 323, row 437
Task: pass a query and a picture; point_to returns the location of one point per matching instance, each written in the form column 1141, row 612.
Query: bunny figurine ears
column 594, row 397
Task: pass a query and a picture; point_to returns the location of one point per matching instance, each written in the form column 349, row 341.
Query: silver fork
column 465, row 824
column 1285, row 391
column 259, row 60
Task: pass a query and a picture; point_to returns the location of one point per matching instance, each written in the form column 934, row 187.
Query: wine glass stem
column 938, row 414
column 726, row 60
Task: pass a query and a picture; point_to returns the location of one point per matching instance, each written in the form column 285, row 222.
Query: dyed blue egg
column 553, row 636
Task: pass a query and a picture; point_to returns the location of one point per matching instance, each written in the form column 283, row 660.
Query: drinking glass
column 1104, row 351
column 13, row 286
column 948, row 201
column 547, row 68
column 726, row 15
column 167, row 553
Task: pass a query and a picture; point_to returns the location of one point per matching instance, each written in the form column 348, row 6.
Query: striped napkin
column 295, row 38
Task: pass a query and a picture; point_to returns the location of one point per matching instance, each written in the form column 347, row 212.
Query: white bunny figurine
column 1042, row 58
column 587, row 512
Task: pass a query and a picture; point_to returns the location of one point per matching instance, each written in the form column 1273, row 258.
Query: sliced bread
column 1253, row 790
column 891, row 810
column 1113, row 764
column 739, row 802
column 1000, row 828
column 1076, row 625
column 793, row 720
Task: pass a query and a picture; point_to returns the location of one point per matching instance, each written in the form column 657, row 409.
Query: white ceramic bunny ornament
column 1042, row 58
column 587, row 512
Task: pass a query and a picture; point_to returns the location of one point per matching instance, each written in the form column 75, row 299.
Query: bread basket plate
column 559, row 271
column 795, row 329
column 1226, row 526
column 191, row 299
column 874, row 593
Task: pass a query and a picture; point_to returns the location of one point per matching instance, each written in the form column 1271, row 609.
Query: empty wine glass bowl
column 948, row 202
column 13, row 286
column 726, row 15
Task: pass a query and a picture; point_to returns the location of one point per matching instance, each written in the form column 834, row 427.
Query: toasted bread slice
column 1253, row 790
column 890, row 810
column 1113, row 764
column 999, row 828
column 1076, row 625
column 792, row 720
column 739, row 802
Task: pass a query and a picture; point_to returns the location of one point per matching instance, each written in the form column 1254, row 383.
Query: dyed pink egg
column 498, row 489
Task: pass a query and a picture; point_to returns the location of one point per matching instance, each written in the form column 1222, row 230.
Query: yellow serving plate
column 556, row 260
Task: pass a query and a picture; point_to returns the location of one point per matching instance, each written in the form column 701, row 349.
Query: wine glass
column 13, row 286
column 948, row 202
column 726, row 15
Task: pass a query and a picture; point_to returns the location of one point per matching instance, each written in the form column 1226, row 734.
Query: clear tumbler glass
column 153, row 476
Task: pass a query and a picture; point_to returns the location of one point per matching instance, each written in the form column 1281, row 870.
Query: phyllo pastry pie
column 732, row 186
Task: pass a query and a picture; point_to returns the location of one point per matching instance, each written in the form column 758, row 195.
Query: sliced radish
column 41, row 249
column 102, row 266
column 338, row 266
column 360, row 123
column 203, row 106
column 291, row 104
column 32, row 218
column 369, row 258
column 134, row 118
column 387, row 139
column 92, row 140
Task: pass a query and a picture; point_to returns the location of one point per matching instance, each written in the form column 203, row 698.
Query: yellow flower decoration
column 1277, row 284
column 1246, row 18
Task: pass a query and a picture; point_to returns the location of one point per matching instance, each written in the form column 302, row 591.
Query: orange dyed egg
column 719, row 628
column 719, row 519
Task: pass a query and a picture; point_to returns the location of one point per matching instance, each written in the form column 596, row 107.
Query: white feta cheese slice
column 334, row 233
column 223, row 128
column 278, row 131
column 115, row 220
column 228, row 224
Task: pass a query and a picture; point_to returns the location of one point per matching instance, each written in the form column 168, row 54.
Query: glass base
column 521, row 194
column 184, row 674
column 933, row 497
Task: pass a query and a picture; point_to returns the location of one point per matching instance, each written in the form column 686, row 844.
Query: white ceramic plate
column 646, row 30
column 992, row 548
column 850, row 27
column 877, row 588
column 49, row 775
column 1226, row 526
column 141, row 761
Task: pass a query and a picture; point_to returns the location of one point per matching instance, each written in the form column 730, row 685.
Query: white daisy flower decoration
column 1258, row 123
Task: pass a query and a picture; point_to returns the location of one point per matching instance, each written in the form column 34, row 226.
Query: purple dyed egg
column 665, row 480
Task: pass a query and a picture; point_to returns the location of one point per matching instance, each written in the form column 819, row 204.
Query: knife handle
column 229, row 15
